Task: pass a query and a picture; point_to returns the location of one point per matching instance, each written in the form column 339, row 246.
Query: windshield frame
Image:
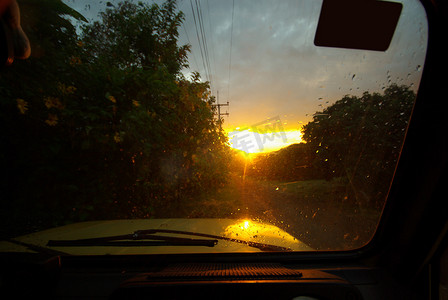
column 393, row 194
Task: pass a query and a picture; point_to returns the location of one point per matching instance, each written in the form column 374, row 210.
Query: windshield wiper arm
column 131, row 240
column 261, row 246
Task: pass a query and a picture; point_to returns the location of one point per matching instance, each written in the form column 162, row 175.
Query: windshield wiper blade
column 133, row 240
column 148, row 238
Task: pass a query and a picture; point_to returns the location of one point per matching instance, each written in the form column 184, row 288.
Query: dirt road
column 316, row 212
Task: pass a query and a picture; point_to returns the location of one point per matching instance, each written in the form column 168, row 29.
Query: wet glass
column 216, row 110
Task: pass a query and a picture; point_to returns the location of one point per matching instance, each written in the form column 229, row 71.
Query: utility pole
column 219, row 108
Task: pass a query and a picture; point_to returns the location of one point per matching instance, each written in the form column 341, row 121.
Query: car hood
column 246, row 230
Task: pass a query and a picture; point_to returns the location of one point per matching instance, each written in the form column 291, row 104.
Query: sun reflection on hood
column 265, row 233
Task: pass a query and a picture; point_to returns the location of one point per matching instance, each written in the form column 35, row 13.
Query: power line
column 204, row 40
column 201, row 35
column 231, row 45
column 199, row 41
column 192, row 53
column 212, row 46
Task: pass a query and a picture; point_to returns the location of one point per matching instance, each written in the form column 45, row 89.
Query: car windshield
column 219, row 118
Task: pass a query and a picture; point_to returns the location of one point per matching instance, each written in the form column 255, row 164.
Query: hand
column 17, row 43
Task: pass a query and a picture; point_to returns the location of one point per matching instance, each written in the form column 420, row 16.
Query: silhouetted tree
column 360, row 139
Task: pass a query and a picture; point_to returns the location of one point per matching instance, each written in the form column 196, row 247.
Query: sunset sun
column 253, row 142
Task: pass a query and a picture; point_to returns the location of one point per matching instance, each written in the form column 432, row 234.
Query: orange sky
column 250, row 140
